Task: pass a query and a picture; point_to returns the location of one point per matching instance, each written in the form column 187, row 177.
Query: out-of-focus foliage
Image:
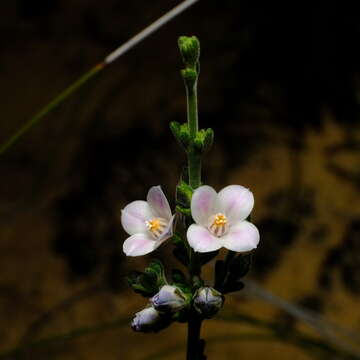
column 279, row 85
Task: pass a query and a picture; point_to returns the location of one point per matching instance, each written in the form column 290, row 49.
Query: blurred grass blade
column 341, row 337
column 75, row 333
column 177, row 10
column 149, row 30
column 49, row 107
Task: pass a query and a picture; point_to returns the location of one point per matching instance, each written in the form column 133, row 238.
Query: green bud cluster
column 147, row 283
column 203, row 140
column 190, row 50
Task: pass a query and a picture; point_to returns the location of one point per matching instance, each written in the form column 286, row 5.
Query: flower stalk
column 190, row 51
column 207, row 221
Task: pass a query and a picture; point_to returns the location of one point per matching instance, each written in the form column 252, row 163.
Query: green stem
column 194, row 168
column 190, row 51
column 194, row 156
column 50, row 106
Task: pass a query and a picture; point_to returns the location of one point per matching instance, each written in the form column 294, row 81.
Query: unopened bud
column 190, row 50
column 169, row 299
column 146, row 320
column 208, row 301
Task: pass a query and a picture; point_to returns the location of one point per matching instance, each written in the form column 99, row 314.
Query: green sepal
column 175, row 129
column 183, row 210
column 149, row 282
column 184, row 194
column 197, row 282
column 190, row 76
column 144, row 284
column 156, row 269
column 178, row 277
column 181, row 133
column 177, row 239
column 199, row 140
column 208, row 139
column 179, row 280
column 184, row 134
column 190, row 50
column 204, row 139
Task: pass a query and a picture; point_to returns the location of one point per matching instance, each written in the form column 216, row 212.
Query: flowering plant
column 205, row 222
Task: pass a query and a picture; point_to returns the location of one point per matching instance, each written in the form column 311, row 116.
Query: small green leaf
column 142, row 283
column 175, row 129
column 232, row 287
column 178, row 276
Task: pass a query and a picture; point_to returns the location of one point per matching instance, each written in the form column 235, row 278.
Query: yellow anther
column 156, row 226
column 153, row 225
column 220, row 220
column 218, row 224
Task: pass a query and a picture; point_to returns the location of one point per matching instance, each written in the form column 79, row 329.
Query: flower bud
column 146, row 320
column 169, row 299
column 190, row 50
column 208, row 301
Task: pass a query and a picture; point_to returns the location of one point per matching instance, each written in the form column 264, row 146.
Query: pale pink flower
column 220, row 220
column 148, row 222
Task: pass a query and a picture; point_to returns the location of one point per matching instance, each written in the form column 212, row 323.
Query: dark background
column 279, row 85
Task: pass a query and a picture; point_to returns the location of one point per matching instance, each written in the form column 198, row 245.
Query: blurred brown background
column 279, row 85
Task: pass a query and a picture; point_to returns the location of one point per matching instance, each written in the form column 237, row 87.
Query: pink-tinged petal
column 139, row 244
column 201, row 240
column 158, row 202
column 236, row 202
column 243, row 236
column 204, row 204
column 134, row 215
column 167, row 233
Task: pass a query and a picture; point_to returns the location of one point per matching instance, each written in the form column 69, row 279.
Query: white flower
column 149, row 223
column 168, row 299
column 220, row 220
column 146, row 320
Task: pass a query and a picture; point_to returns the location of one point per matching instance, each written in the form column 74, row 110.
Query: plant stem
column 194, row 168
column 193, row 340
column 194, row 156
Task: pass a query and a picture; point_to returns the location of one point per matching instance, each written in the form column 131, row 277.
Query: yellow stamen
column 218, row 224
column 156, row 226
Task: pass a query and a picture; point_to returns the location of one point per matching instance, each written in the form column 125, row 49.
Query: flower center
column 218, row 224
column 156, row 226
